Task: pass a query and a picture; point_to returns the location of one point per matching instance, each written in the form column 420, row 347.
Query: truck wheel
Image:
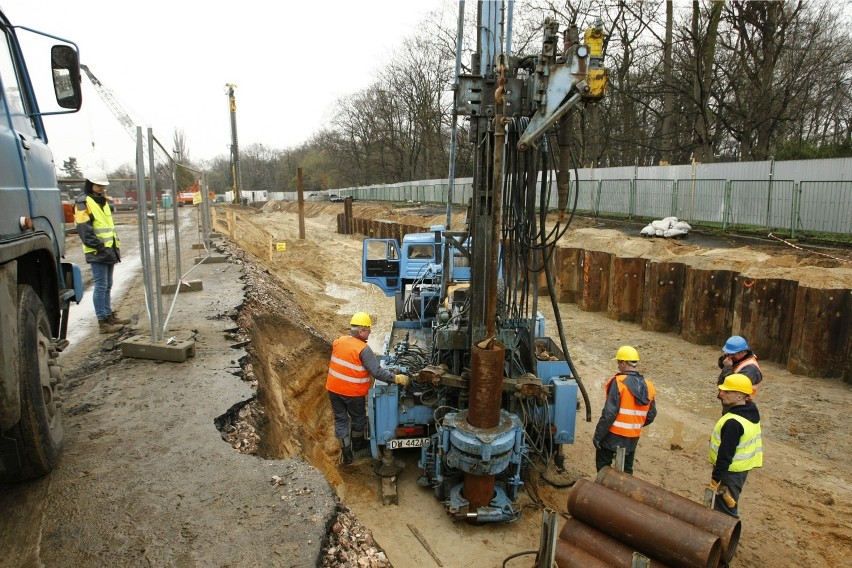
column 38, row 435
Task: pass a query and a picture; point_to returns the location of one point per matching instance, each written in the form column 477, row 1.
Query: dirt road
column 145, row 478
column 795, row 510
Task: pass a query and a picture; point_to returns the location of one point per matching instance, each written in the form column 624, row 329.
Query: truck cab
column 36, row 287
column 412, row 271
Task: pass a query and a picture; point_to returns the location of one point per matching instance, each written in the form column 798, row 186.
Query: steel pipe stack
column 601, row 546
column 727, row 528
column 653, row 533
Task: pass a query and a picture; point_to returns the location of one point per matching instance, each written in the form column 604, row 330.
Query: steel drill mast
column 236, row 174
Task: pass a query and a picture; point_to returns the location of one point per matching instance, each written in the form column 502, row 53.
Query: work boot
column 104, row 326
column 359, row 442
column 115, row 320
column 346, row 449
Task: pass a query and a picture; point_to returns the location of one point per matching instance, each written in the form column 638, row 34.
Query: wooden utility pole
column 301, row 205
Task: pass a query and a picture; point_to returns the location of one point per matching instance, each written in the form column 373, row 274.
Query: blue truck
column 36, row 286
column 429, row 276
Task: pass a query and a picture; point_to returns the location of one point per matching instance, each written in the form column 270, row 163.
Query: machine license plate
column 407, row 443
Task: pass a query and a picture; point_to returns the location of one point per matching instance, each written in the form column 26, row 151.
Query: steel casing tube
column 649, row 531
column 727, row 528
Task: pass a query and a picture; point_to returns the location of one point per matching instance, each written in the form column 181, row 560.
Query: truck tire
column 38, row 434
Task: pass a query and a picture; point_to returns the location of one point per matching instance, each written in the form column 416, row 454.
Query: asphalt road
column 145, row 478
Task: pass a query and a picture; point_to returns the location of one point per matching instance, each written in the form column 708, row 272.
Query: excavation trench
column 297, row 302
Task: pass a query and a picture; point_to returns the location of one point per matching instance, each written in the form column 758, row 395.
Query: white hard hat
column 96, row 176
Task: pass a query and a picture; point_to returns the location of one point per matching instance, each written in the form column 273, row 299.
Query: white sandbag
column 659, row 232
column 647, row 231
column 681, row 226
column 660, row 225
column 670, row 220
column 674, row 233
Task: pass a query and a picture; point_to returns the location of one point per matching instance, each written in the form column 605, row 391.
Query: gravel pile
column 352, row 544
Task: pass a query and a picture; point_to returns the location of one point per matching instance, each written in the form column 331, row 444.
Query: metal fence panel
column 615, row 196
column 826, row 206
column 749, row 204
column 701, row 200
column 654, row 198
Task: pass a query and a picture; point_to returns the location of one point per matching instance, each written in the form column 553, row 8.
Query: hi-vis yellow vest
column 749, row 453
column 101, row 223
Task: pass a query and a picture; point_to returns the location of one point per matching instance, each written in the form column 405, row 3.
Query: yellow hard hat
column 737, row 382
column 362, row 319
column 626, row 353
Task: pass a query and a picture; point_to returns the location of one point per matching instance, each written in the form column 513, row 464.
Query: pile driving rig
column 488, row 392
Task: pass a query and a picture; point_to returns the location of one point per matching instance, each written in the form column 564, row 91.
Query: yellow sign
column 280, row 247
column 196, row 198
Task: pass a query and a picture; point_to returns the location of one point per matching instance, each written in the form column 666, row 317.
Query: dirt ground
column 795, row 510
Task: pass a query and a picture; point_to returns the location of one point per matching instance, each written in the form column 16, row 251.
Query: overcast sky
column 168, row 63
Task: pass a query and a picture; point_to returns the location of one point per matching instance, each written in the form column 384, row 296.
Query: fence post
column 632, row 207
column 796, row 208
column 674, row 198
column 726, row 211
column 598, row 199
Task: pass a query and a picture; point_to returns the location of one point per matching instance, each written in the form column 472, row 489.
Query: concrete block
column 185, row 286
column 141, row 347
column 212, row 259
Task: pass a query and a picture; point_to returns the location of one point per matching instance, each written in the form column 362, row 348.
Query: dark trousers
column 605, row 457
column 348, row 409
column 734, row 481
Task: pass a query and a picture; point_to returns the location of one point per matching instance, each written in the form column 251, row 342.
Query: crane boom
column 121, row 115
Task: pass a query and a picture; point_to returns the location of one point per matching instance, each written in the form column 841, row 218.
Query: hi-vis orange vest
column 748, row 361
column 346, row 373
column 631, row 416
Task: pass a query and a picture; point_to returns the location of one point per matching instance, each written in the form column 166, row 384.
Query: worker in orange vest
column 351, row 369
column 629, row 407
column 737, row 357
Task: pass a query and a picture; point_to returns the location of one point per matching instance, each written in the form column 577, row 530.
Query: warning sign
column 196, row 198
column 279, row 247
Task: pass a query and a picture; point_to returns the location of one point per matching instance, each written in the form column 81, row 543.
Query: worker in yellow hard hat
column 629, row 407
column 736, row 446
column 350, row 371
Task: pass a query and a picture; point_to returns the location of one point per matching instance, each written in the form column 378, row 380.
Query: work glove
column 721, row 490
column 401, row 380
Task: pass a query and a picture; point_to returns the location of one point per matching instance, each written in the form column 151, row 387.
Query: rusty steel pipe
column 486, row 384
column 600, row 545
column 571, row 556
column 727, row 528
column 651, row 532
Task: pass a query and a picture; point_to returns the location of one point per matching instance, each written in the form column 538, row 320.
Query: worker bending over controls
column 352, row 367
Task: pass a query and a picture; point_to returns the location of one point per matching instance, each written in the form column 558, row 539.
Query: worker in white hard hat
column 736, row 445
column 93, row 217
column 737, row 357
column 630, row 406
column 351, row 369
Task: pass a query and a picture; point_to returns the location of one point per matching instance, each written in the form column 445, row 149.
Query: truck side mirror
column 66, row 76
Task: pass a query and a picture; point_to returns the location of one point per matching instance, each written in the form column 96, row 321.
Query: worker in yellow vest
column 629, row 407
column 350, row 371
column 736, row 446
column 93, row 217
